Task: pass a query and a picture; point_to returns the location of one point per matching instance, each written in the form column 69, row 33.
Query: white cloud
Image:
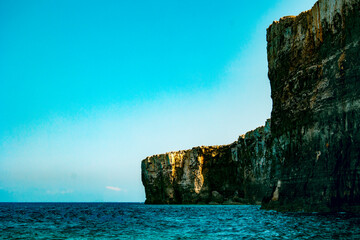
column 113, row 188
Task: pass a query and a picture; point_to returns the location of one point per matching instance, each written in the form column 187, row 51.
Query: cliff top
column 198, row 147
column 322, row 10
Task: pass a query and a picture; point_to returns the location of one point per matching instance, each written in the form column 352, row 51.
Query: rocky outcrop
column 227, row 174
column 308, row 158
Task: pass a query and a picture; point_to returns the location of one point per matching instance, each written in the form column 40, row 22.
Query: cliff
column 226, row 174
column 308, row 158
column 314, row 72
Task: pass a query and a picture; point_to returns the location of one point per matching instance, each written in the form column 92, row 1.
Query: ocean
column 140, row 221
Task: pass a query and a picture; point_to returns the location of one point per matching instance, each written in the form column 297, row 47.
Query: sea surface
column 139, row 221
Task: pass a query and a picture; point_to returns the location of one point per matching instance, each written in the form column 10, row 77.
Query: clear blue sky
column 90, row 88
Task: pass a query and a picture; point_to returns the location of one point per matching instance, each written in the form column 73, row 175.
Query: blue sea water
column 139, row 221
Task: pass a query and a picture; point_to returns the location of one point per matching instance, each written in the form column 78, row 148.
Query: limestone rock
column 314, row 72
column 192, row 176
column 307, row 158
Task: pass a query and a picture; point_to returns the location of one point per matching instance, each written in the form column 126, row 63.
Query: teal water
column 139, row 221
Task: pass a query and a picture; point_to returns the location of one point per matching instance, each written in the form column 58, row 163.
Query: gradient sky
column 90, row 88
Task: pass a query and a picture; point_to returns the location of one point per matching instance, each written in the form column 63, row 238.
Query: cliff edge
column 307, row 158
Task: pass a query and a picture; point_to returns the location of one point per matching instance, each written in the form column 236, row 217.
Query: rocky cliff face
column 309, row 158
column 314, row 72
column 227, row 174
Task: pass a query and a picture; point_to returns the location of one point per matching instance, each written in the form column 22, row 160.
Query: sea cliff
column 227, row 174
column 307, row 157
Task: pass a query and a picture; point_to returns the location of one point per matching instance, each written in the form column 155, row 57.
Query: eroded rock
column 314, row 72
column 307, row 158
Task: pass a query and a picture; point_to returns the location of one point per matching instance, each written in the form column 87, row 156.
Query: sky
column 90, row 88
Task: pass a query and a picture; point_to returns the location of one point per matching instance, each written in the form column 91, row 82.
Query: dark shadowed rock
column 217, row 197
column 314, row 72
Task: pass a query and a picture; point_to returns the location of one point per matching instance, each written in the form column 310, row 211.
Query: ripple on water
column 139, row 221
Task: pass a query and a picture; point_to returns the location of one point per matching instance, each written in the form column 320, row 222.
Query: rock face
column 308, row 158
column 314, row 72
column 219, row 174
